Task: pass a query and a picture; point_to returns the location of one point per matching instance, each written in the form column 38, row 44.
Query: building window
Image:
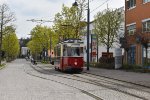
column 146, row 26
column 148, row 54
column 131, row 29
column 131, row 4
column 145, row 1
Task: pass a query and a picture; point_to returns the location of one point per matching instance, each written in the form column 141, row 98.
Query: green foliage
column 107, row 24
column 45, row 62
column 23, row 42
column 8, row 29
column 11, row 45
column 6, row 17
column 102, row 65
column 147, row 64
column 2, row 66
column 127, row 67
column 135, row 68
column 40, row 39
column 69, row 21
column 130, row 67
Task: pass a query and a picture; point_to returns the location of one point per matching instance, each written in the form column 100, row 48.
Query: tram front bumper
column 72, row 69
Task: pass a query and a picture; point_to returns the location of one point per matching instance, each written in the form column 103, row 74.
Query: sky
column 46, row 9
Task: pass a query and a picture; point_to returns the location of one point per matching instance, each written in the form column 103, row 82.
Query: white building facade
column 99, row 48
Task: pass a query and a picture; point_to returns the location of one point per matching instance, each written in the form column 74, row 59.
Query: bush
column 2, row 66
column 147, row 65
column 102, row 65
column 45, row 62
column 105, row 65
column 130, row 67
column 107, row 60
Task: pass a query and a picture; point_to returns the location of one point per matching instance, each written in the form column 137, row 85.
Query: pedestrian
column 34, row 62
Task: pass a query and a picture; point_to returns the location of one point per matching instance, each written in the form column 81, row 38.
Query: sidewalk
column 132, row 77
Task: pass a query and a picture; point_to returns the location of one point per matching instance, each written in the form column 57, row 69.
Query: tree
column 40, row 39
column 10, row 44
column 69, row 22
column 24, row 42
column 107, row 24
column 6, row 17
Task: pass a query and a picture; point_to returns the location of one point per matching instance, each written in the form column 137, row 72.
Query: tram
column 69, row 55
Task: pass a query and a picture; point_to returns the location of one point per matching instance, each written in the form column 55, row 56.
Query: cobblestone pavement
column 133, row 77
column 104, row 88
column 24, row 81
column 16, row 84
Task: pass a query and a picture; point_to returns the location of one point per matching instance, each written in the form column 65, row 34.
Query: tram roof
column 72, row 41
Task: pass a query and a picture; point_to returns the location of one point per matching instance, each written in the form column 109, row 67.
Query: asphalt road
column 20, row 80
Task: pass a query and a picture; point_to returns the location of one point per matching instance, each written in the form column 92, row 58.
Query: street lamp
column 88, row 31
column 75, row 3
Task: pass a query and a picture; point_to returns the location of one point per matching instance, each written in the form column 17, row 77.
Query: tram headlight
column 75, row 63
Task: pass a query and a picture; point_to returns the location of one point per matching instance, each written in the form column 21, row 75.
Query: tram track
column 107, row 80
column 83, row 91
column 116, row 82
column 94, row 82
column 98, row 83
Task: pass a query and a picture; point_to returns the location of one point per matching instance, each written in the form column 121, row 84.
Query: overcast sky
column 46, row 10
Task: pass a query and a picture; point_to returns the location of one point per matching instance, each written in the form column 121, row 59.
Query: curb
column 119, row 80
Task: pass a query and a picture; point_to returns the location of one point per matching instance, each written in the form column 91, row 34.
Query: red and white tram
column 69, row 55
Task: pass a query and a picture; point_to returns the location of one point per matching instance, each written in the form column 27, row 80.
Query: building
column 137, row 30
column 24, row 51
column 96, row 52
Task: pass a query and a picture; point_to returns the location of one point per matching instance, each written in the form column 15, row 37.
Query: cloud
column 46, row 9
column 97, row 6
column 3, row 1
column 32, row 9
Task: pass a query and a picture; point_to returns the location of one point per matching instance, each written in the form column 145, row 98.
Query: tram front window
column 74, row 51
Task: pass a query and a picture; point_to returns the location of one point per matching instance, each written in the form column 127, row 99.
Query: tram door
column 131, row 55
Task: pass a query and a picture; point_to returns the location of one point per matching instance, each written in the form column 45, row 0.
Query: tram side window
column 69, row 51
column 77, row 51
column 64, row 52
column 81, row 51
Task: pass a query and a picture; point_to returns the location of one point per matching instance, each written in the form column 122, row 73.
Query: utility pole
column 88, row 30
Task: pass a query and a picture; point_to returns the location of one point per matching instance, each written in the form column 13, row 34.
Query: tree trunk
column 1, row 34
column 108, row 38
column 1, row 41
column 107, row 49
column 108, row 43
